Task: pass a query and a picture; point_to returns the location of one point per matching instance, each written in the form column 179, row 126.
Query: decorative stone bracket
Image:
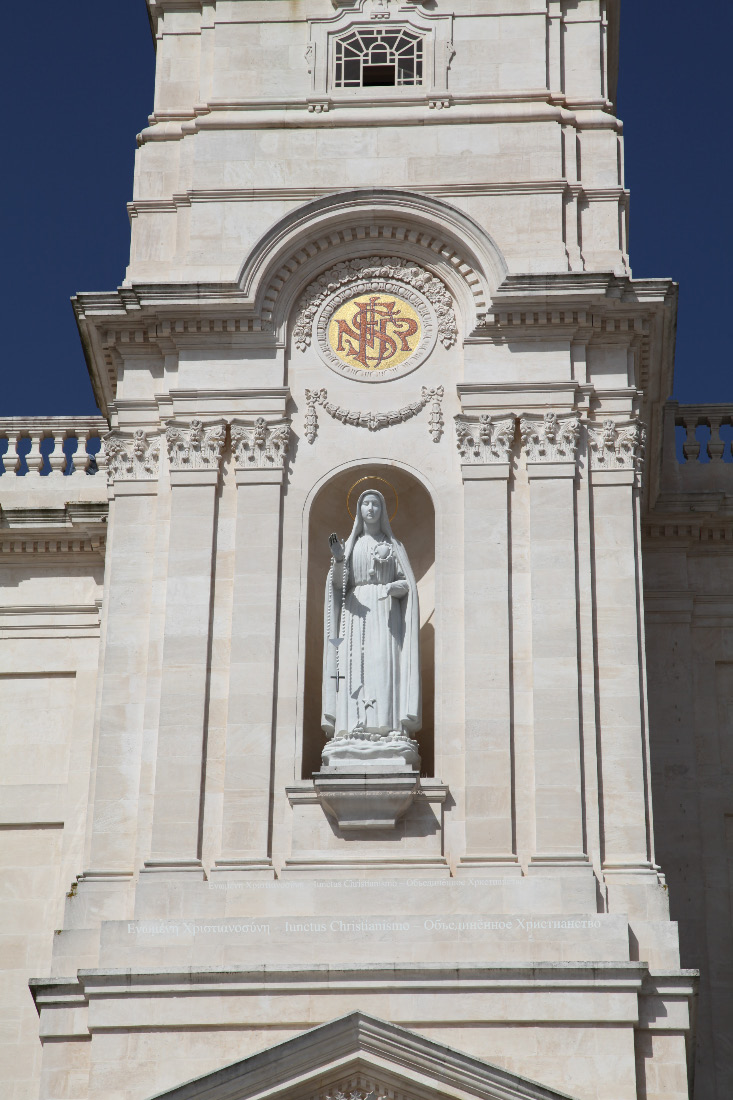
column 373, row 799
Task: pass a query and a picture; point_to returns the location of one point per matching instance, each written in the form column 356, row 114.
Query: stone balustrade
column 702, row 461
column 714, row 417
column 51, row 446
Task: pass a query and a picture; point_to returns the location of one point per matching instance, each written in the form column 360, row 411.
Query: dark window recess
column 378, row 76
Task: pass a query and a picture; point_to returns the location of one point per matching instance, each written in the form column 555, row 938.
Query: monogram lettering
column 376, row 333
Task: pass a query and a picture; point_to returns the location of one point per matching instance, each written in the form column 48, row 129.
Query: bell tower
column 378, row 253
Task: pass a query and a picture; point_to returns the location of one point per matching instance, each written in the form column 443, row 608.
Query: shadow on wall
column 413, row 525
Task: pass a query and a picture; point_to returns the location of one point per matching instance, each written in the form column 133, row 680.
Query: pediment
column 359, row 1057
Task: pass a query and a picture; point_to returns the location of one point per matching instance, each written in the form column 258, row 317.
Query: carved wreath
column 376, row 267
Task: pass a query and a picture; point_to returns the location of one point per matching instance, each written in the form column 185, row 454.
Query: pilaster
column 550, row 443
column 132, row 464
column 194, row 457
column 616, row 455
column 485, row 444
column 260, row 448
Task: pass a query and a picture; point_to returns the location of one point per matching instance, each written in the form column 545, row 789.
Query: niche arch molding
column 369, row 222
column 313, row 571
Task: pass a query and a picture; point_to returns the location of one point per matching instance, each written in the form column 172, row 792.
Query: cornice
column 185, row 199
column 532, row 105
column 150, row 318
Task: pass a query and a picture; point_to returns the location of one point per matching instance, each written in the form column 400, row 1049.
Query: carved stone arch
column 369, row 222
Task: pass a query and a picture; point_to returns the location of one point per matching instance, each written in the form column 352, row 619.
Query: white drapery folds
column 371, row 651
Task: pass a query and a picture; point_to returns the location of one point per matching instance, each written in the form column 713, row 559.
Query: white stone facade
column 165, row 681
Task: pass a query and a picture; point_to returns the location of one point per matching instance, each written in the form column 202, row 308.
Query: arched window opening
column 379, row 57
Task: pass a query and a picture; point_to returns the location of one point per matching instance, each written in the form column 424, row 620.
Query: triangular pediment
column 359, row 1057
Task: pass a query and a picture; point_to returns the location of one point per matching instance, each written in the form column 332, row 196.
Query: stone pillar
column 615, row 455
column 194, row 457
column 132, row 463
column 485, row 447
column 550, row 445
column 259, row 448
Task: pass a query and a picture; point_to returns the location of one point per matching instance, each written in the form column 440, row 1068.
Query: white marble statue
column 371, row 656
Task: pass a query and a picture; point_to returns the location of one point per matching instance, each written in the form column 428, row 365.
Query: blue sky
column 78, row 83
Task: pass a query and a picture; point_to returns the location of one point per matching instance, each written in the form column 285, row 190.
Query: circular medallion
column 375, row 330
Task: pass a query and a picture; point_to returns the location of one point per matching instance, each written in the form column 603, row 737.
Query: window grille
column 379, row 57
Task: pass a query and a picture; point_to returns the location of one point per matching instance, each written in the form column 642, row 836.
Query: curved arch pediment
column 359, row 1057
column 349, row 224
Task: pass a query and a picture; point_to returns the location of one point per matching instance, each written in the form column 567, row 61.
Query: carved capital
column 131, row 458
column 484, row 440
column 196, row 447
column 552, row 439
column 617, row 448
column 260, row 444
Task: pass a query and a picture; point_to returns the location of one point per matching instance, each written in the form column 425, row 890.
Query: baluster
column 716, row 445
column 85, row 463
column 5, row 458
column 34, row 458
column 101, row 458
column 14, row 439
column 57, row 458
column 726, row 422
column 691, row 446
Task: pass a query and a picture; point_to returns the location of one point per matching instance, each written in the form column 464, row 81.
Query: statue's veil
column 358, row 528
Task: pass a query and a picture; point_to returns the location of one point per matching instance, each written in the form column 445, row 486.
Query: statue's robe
column 376, row 665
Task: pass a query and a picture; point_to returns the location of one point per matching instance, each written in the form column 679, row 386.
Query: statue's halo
column 372, row 477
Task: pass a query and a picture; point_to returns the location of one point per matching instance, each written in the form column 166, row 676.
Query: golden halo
column 373, row 477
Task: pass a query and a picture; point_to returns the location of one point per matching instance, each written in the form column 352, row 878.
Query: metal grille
column 378, row 57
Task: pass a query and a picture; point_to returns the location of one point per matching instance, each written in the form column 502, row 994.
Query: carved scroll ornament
column 197, row 447
column 133, row 458
column 484, row 441
column 374, row 421
column 552, row 439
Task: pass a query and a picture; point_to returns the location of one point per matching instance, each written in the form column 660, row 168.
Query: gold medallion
column 374, row 332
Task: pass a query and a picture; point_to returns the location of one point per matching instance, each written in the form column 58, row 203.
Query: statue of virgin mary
column 371, row 655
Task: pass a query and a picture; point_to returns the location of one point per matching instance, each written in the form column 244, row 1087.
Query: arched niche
column 414, row 526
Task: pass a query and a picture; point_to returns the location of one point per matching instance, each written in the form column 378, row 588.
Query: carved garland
column 375, row 421
column 376, row 267
column 134, row 459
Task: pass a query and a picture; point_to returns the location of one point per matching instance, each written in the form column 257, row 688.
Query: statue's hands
column 337, row 547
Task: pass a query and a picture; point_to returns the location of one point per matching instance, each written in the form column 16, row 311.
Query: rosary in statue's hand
column 337, row 547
